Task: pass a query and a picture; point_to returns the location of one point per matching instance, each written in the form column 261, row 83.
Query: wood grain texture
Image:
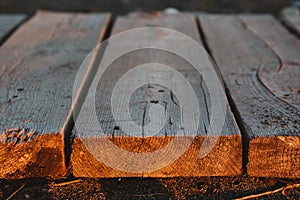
column 8, row 23
column 39, row 63
column 259, row 61
column 225, row 157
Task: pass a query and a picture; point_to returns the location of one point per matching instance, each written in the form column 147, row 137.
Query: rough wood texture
column 292, row 20
column 8, row 23
column 39, row 63
column 259, row 61
column 224, row 159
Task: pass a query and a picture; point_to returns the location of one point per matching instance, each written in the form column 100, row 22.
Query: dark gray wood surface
column 8, row 23
column 259, row 61
column 39, row 63
column 224, row 159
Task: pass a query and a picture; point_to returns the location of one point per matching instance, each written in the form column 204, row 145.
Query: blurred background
column 125, row 6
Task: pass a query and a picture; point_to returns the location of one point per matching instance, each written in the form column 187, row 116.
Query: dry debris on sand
column 240, row 187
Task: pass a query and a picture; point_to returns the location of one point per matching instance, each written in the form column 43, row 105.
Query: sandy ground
column 145, row 188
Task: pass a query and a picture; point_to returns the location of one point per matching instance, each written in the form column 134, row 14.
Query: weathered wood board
column 259, row 60
column 38, row 65
column 292, row 21
column 225, row 158
column 8, row 23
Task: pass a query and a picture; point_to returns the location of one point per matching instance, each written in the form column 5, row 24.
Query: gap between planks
column 9, row 23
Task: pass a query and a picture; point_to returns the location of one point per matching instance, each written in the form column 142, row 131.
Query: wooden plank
column 39, row 63
column 261, row 71
column 224, row 158
column 8, row 23
column 291, row 18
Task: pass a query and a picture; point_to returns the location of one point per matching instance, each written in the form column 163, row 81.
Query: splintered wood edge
column 41, row 156
column 274, row 157
column 225, row 159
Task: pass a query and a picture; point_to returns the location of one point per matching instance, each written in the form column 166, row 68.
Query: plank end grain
column 224, row 159
column 39, row 63
column 275, row 157
column 22, row 156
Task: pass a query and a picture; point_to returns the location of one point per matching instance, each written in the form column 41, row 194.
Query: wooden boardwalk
column 257, row 76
